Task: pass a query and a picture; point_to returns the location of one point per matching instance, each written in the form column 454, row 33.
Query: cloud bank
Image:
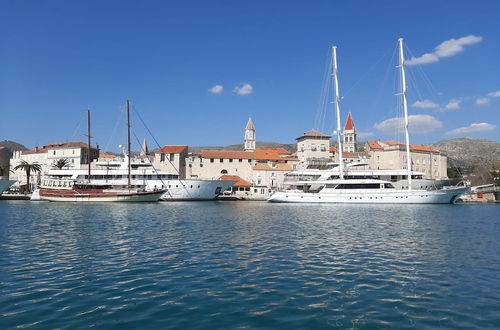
column 217, row 89
column 425, row 104
column 243, row 89
column 472, row 128
column 417, row 124
column 447, row 48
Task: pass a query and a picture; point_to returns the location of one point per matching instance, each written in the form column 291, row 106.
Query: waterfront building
column 172, row 159
column 313, row 148
column 392, row 155
column 75, row 152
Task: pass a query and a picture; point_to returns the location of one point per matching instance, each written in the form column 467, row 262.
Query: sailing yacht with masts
column 365, row 190
column 60, row 188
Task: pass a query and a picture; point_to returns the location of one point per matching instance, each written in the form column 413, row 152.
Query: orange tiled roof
column 270, row 154
column 57, row 145
column 172, row 149
column 376, row 145
column 227, row 154
column 349, row 125
column 314, row 133
column 333, row 149
column 34, row 151
column 266, row 167
column 107, row 156
column 239, row 181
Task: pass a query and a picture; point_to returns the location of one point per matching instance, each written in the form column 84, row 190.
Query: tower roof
column 250, row 124
column 349, row 125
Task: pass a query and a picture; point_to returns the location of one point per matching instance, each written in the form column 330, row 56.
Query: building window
column 230, row 160
column 249, row 160
column 323, row 148
column 313, row 147
column 172, row 157
column 240, row 160
column 222, row 160
column 162, row 157
column 223, row 172
column 211, row 160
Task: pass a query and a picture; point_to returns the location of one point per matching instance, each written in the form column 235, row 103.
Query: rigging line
column 114, row 131
column 156, row 141
column 366, row 72
column 388, row 71
column 426, row 79
column 78, row 126
column 320, row 106
column 152, row 165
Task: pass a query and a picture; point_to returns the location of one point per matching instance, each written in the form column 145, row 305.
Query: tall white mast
column 337, row 109
column 405, row 108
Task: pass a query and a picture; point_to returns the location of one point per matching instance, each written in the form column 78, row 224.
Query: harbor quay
column 255, row 173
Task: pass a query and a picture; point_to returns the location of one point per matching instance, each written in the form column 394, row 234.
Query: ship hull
column 53, row 195
column 444, row 196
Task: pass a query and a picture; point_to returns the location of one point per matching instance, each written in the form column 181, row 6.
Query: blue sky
column 59, row 57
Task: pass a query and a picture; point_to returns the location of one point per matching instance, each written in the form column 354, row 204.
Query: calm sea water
column 249, row 265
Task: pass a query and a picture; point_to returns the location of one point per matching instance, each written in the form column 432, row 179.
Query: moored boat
column 349, row 189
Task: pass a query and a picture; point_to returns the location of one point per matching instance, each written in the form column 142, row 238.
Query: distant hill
column 13, row 146
column 469, row 154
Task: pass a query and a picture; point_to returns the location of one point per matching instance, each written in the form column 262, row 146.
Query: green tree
column 5, row 170
column 454, row 173
column 61, row 163
column 28, row 168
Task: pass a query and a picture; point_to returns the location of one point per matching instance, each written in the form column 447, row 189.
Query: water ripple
column 248, row 265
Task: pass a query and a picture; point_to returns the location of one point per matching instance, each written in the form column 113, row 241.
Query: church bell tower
column 250, row 136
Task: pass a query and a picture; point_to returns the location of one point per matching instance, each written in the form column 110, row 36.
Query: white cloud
column 425, row 104
column 417, row 124
column 473, row 128
column 452, row 105
column 363, row 135
column 217, row 89
column 494, row 94
column 445, row 49
column 243, row 89
column 483, row 101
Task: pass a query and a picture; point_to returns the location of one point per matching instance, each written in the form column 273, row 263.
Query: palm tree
column 62, row 162
column 28, row 168
column 5, row 170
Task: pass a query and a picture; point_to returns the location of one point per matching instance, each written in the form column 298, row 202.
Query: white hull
column 185, row 190
column 385, row 196
column 5, row 184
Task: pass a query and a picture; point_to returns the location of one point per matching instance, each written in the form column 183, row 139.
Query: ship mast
column 89, row 137
column 128, row 143
column 336, row 101
column 405, row 108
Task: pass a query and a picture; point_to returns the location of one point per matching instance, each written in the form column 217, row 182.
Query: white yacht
column 142, row 174
column 346, row 186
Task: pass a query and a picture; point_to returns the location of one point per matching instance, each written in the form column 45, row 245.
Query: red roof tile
column 349, row 125
column 375, row 145
column 314, row 133
column 239, row 181
column 271, row 154
column 172, row 149
column 333, row 149
column 107, row 156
